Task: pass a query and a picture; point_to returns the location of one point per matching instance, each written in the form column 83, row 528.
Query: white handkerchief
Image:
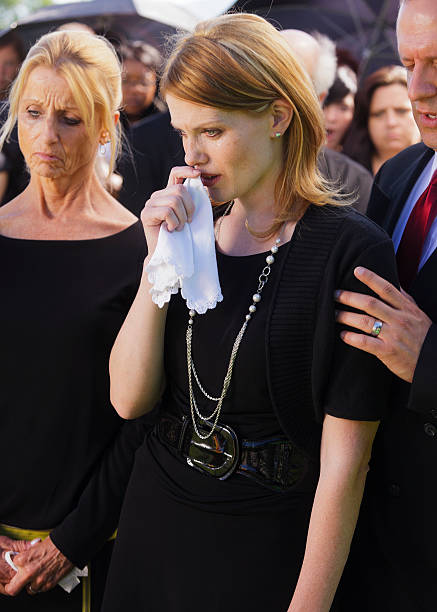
column 71, row 580
column 186, row 260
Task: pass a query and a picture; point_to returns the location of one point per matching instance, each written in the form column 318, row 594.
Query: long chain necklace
column 215, row 414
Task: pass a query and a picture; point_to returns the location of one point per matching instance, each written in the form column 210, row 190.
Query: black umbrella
column 120, row 20
column 364, row 27
column 147, row 20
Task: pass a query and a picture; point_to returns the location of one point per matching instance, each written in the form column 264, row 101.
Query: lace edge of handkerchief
column 154, row 266
column 163, row 296
column 201, row 306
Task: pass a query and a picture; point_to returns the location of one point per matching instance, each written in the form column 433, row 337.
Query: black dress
column 188, row 542
column 67, row 454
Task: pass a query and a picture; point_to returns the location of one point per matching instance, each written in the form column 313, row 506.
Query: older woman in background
column 383, row 123
column 338, row 107
column 72, row 257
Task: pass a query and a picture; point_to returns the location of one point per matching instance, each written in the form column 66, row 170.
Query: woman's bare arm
column 345, row 454
column 136, row 364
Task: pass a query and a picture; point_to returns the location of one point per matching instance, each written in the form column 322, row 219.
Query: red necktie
column 419, row 223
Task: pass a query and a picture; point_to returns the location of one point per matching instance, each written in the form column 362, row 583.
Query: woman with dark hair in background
column 11, row 56
column 383, row 123
column 141, row 63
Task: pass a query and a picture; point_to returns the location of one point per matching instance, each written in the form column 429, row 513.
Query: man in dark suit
column 393, row 566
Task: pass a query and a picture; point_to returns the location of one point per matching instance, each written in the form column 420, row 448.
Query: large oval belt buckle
column 218, row 455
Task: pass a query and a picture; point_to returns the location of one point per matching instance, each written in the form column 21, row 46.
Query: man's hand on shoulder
column 404, row 326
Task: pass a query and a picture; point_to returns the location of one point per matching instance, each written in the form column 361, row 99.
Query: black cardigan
column 308, row 365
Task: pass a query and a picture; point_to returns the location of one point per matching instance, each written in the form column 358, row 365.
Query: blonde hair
column 241, row 62
column 92, row 70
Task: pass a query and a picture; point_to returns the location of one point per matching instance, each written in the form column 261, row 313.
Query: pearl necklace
column 215, row 414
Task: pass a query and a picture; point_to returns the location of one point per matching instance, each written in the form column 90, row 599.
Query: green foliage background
column 13, row 10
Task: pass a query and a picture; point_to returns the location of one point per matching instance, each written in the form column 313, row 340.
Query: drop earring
column 102, row 149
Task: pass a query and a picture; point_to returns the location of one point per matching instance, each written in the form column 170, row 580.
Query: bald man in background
column 317, row 54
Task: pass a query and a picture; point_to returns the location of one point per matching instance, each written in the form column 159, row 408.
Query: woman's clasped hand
column 172, row 206
column 6, row 571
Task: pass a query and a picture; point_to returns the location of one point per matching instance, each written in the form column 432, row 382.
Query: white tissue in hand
column 171, row 262
column 186, row 259
column 71, row 580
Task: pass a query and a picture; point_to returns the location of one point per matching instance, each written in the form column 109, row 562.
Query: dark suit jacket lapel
column 393, row 200
column 423, row 287
column 429, row 270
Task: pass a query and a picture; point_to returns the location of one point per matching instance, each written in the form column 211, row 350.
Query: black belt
column 273, row 462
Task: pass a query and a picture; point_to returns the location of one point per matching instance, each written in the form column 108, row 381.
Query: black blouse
column 291, row 346
column 66, row 453
column 247, row 406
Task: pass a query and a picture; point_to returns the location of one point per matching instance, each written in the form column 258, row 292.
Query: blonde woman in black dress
column 71, row 258
column 256, row 513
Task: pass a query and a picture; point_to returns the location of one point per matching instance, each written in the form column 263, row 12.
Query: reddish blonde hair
column 241, row 62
